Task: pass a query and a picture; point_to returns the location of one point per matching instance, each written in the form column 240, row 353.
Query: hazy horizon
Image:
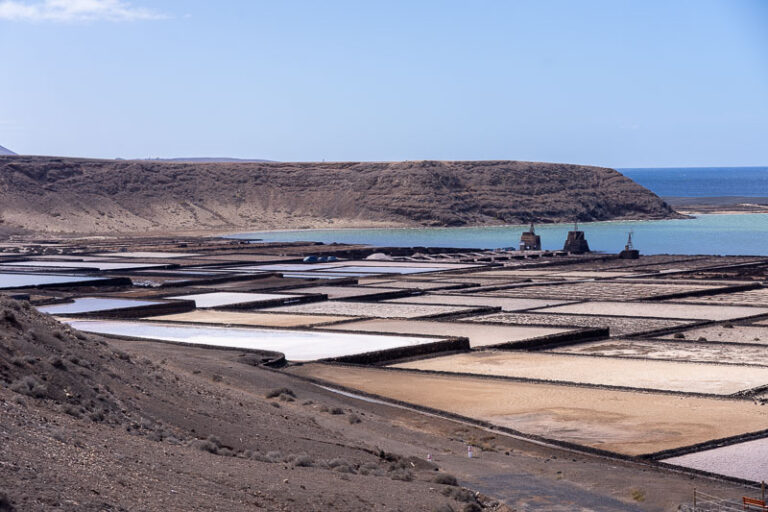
column 615, row 84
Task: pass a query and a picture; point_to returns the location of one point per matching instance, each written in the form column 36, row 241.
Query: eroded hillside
column 67, row 195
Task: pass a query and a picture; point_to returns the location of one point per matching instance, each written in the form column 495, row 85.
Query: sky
column 616, row 83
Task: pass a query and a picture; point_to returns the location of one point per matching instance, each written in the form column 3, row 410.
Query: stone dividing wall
column 258, row 304
column 103, row 281
column 164, row 308
column 382, row 357
column 552, row 340
column 706, row 445
column 716, row 291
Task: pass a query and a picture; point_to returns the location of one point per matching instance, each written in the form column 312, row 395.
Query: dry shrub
column 445, row 479
column 274, row 393
column 29, row 385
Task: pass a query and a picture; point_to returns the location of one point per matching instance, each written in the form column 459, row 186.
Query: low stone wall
column 382, row 357
column 164, row 308
column 553, row 340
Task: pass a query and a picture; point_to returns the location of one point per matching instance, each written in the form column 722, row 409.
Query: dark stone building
column 576, row 242
column 530, row 241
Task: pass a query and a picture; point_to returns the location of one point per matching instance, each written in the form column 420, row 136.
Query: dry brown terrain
column 113, row 425
column 73, row 195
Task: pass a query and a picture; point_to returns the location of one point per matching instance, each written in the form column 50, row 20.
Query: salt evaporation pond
column 296, row 345
column 92, row 304
column 747, row 460
column 98, row 265
column 30, row 280
column 217, row 299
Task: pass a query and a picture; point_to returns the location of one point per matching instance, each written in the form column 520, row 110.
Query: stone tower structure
column 576, row 243
column 530, row 241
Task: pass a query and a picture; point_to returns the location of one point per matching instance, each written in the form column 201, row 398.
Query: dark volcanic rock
column 78, row 195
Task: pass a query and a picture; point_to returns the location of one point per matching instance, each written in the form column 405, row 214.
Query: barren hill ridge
column 6, row 151
column 68, row 195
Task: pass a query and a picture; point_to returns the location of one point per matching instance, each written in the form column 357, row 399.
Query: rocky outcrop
column 68, row 195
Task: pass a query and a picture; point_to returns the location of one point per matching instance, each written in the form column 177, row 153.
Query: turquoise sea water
column 705, row 234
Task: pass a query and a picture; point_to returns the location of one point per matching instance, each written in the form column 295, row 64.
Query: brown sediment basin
column 603, row 371
column 625, row 422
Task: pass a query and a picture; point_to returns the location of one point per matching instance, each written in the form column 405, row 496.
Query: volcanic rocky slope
column 86, row 426
column 67, row 195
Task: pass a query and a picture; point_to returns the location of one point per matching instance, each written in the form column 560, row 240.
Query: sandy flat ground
column 506, row 304
column 672, row 350
column 620, row 421
column 659, row 310
column 479, row 335
column 618, row 326
column 661, row 375
column 748, row 460
column 735, row 334
column 208, row 316
column 369, row 309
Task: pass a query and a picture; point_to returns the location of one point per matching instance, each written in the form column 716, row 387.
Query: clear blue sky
column 615, row 83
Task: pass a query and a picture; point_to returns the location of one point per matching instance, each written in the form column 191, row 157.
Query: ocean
column 703, row 181
column 741, row 234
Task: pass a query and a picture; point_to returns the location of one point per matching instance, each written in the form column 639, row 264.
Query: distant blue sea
column 743, row 234
column 703, row 181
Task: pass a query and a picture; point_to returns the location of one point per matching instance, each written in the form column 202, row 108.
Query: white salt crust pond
column 217, row 299
column 100, row 265
column 29, row 280
column 747, row 460
column 296, row 345
column 93, row 304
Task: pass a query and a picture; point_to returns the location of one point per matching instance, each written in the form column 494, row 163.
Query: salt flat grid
column 215, row 299
column 668, row 350
column 371, row 309
column 624, row 422
column 744, row 334
column 347, row 292
column 13, row 280
column 603, row 371
column 384, row 269
column 618, row 325
column 251, row 318
column 479, row 335
column 99, row 265
column 747, row 460
column 324, row 275
column 603, row 290
column 296, row 345
column 506, row 304
column 94, row 304
column 147, row 254
column 658, row 310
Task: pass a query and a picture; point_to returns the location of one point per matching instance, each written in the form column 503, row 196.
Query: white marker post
column 469, row 451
